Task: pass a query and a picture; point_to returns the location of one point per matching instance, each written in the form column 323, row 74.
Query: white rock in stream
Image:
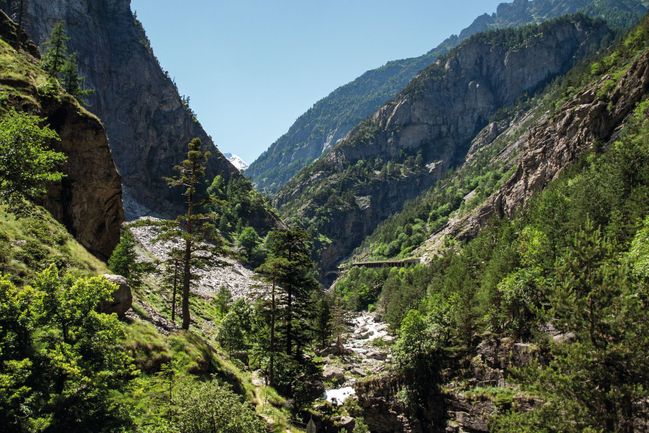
column 339, row 395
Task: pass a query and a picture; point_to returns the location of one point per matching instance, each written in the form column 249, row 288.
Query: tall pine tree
column 189, row 228
column 56, row 52
column 292, row 245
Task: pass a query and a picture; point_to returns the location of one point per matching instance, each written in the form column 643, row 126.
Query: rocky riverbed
column 366, row 352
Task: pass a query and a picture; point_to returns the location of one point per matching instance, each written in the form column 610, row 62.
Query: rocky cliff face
column 409, row 142
column 333, row 117
column 88, row 201
column 459, row 406
column 589, row 120
column 147, row 123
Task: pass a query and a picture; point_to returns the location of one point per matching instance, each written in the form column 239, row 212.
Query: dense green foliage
column 210, row 407
column 27, row 163
column 61, row 359
column 124, row 261
column 242, row 215
column 290, row 317
column 573, row 260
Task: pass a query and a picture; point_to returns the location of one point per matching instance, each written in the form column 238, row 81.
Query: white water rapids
column 363, row 358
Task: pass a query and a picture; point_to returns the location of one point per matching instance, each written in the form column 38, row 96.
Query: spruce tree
column 56, row 54
column 274, row 270
column 172, row 277
column 71, row 81
column 123, row 261
column 298, row 283
column 338, row 324
column 62, row 65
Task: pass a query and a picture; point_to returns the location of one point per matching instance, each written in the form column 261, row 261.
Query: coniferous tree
column 62, row 65
column 337, row 324
column 172, row 277
column 57, row 51
column 189, row 228
column 292, row 244
column 274, row 271
column 71, row 81
column 323, row 319
column 123, row 261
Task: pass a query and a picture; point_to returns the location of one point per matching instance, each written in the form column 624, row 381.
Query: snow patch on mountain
column 236, row 160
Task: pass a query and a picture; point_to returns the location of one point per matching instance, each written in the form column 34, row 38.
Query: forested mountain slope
column 535, row 321
column 509, row 160
column 407, row 145
column 331, row 118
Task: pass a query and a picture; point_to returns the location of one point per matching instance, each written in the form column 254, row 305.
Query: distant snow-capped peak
column 235, row 160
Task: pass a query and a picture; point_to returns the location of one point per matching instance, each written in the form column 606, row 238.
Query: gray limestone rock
column 122, row 297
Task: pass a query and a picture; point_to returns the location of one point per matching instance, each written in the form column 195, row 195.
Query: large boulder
column 333, row 374
column 122, row 297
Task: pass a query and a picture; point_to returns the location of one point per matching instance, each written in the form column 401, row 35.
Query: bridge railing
column 383, row 264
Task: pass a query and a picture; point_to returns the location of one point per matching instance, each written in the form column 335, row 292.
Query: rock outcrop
column 356, row 185
column 460, row 406
column 589, row 120
column 122, row 297
column 223, row 273
column 147, row 122
column 88, row 200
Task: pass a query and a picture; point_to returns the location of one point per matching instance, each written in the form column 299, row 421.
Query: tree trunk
column 627, row 414
column 289, row 311
column 271, row 373
column 175, row 290
column 289, row 322
column 186, row 283
column 187, row 262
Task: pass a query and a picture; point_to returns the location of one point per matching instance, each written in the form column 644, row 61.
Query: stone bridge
column 404, row 263
column 330, row 277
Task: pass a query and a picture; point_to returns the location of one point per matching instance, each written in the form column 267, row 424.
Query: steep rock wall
column 333, row 117
column 147, row 123
column 589, row 120
column 436, row 117
column 88, row 201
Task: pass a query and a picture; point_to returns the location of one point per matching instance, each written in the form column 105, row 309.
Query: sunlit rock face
column 436, row 117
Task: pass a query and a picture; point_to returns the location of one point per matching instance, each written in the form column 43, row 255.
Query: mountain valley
column 452, row 243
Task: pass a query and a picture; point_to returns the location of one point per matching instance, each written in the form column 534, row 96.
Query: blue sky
column 251, row 67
